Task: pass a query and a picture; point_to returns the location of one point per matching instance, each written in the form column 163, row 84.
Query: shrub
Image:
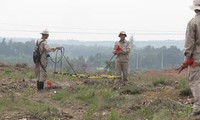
column 132, row 90
column 114, row 115
column 159, row 81
column 183, row 85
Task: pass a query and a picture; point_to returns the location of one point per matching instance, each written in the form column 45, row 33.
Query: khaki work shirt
column 125, row 46
column 192, row 39
column 44, row 50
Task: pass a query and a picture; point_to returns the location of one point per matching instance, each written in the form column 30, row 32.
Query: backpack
column 36, row 53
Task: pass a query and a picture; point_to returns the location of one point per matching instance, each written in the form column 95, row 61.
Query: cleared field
column 152, row 95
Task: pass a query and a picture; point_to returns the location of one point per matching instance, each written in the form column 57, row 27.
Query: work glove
column 188, row 62
column 118, row 50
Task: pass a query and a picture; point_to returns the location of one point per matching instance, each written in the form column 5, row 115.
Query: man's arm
column 189, row 47
column 127, row 49
column 190, row 40
column 117, row 49
column 48, row 48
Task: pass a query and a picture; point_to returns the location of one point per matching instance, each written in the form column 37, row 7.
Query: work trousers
column 40, row 73
column 194, row 83
column 121, row 69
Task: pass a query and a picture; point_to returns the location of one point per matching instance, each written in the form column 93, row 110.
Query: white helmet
column 196, row 5
column 45, row 32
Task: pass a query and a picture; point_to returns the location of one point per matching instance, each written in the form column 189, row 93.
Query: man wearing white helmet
column 192, row 54
column 122, row 50
column 40, row 68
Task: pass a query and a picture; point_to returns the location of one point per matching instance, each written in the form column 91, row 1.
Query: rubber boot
column 40, row 86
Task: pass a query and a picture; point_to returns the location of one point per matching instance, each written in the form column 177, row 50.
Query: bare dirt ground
column 19, row 87
column 18, row 92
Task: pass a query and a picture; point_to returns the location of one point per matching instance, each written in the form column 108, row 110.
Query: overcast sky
column 95, row 19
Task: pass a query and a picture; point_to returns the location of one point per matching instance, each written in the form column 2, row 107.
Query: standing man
column 122, row 50
column 40, row 68
column 192, row 54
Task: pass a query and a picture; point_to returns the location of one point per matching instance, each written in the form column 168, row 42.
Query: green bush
column 114, row 115
column 132, row 90
column 87, row 96
column 159, row 81
column 60, row 95
column 163, row 114
column 7, row 72
column 146, row 113
column 185, row 92
column 184, row 88
column 30, row 75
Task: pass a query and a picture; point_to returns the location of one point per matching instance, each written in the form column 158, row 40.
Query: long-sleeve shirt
column 192, row 39
column 125, row 47
column 44, row 50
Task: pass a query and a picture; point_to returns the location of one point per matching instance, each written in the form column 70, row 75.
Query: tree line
column 91, row 58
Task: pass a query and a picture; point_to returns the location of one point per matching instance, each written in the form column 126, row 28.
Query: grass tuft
column 159, row 81
column 132, row 90
column 184, row 88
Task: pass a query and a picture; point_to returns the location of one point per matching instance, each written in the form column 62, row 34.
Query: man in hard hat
column 122, row 50
column 40, row 68
column 192, row 54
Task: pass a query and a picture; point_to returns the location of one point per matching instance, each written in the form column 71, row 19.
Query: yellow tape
column 91, row 77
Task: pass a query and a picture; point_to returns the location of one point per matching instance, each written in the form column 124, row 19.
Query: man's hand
column 188, row 62
column 118, row 50
column 59, row 48
column 182, row 67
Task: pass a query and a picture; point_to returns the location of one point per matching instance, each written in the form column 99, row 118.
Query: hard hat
column 45, row 32
column 196, row 5
column 122, row 33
